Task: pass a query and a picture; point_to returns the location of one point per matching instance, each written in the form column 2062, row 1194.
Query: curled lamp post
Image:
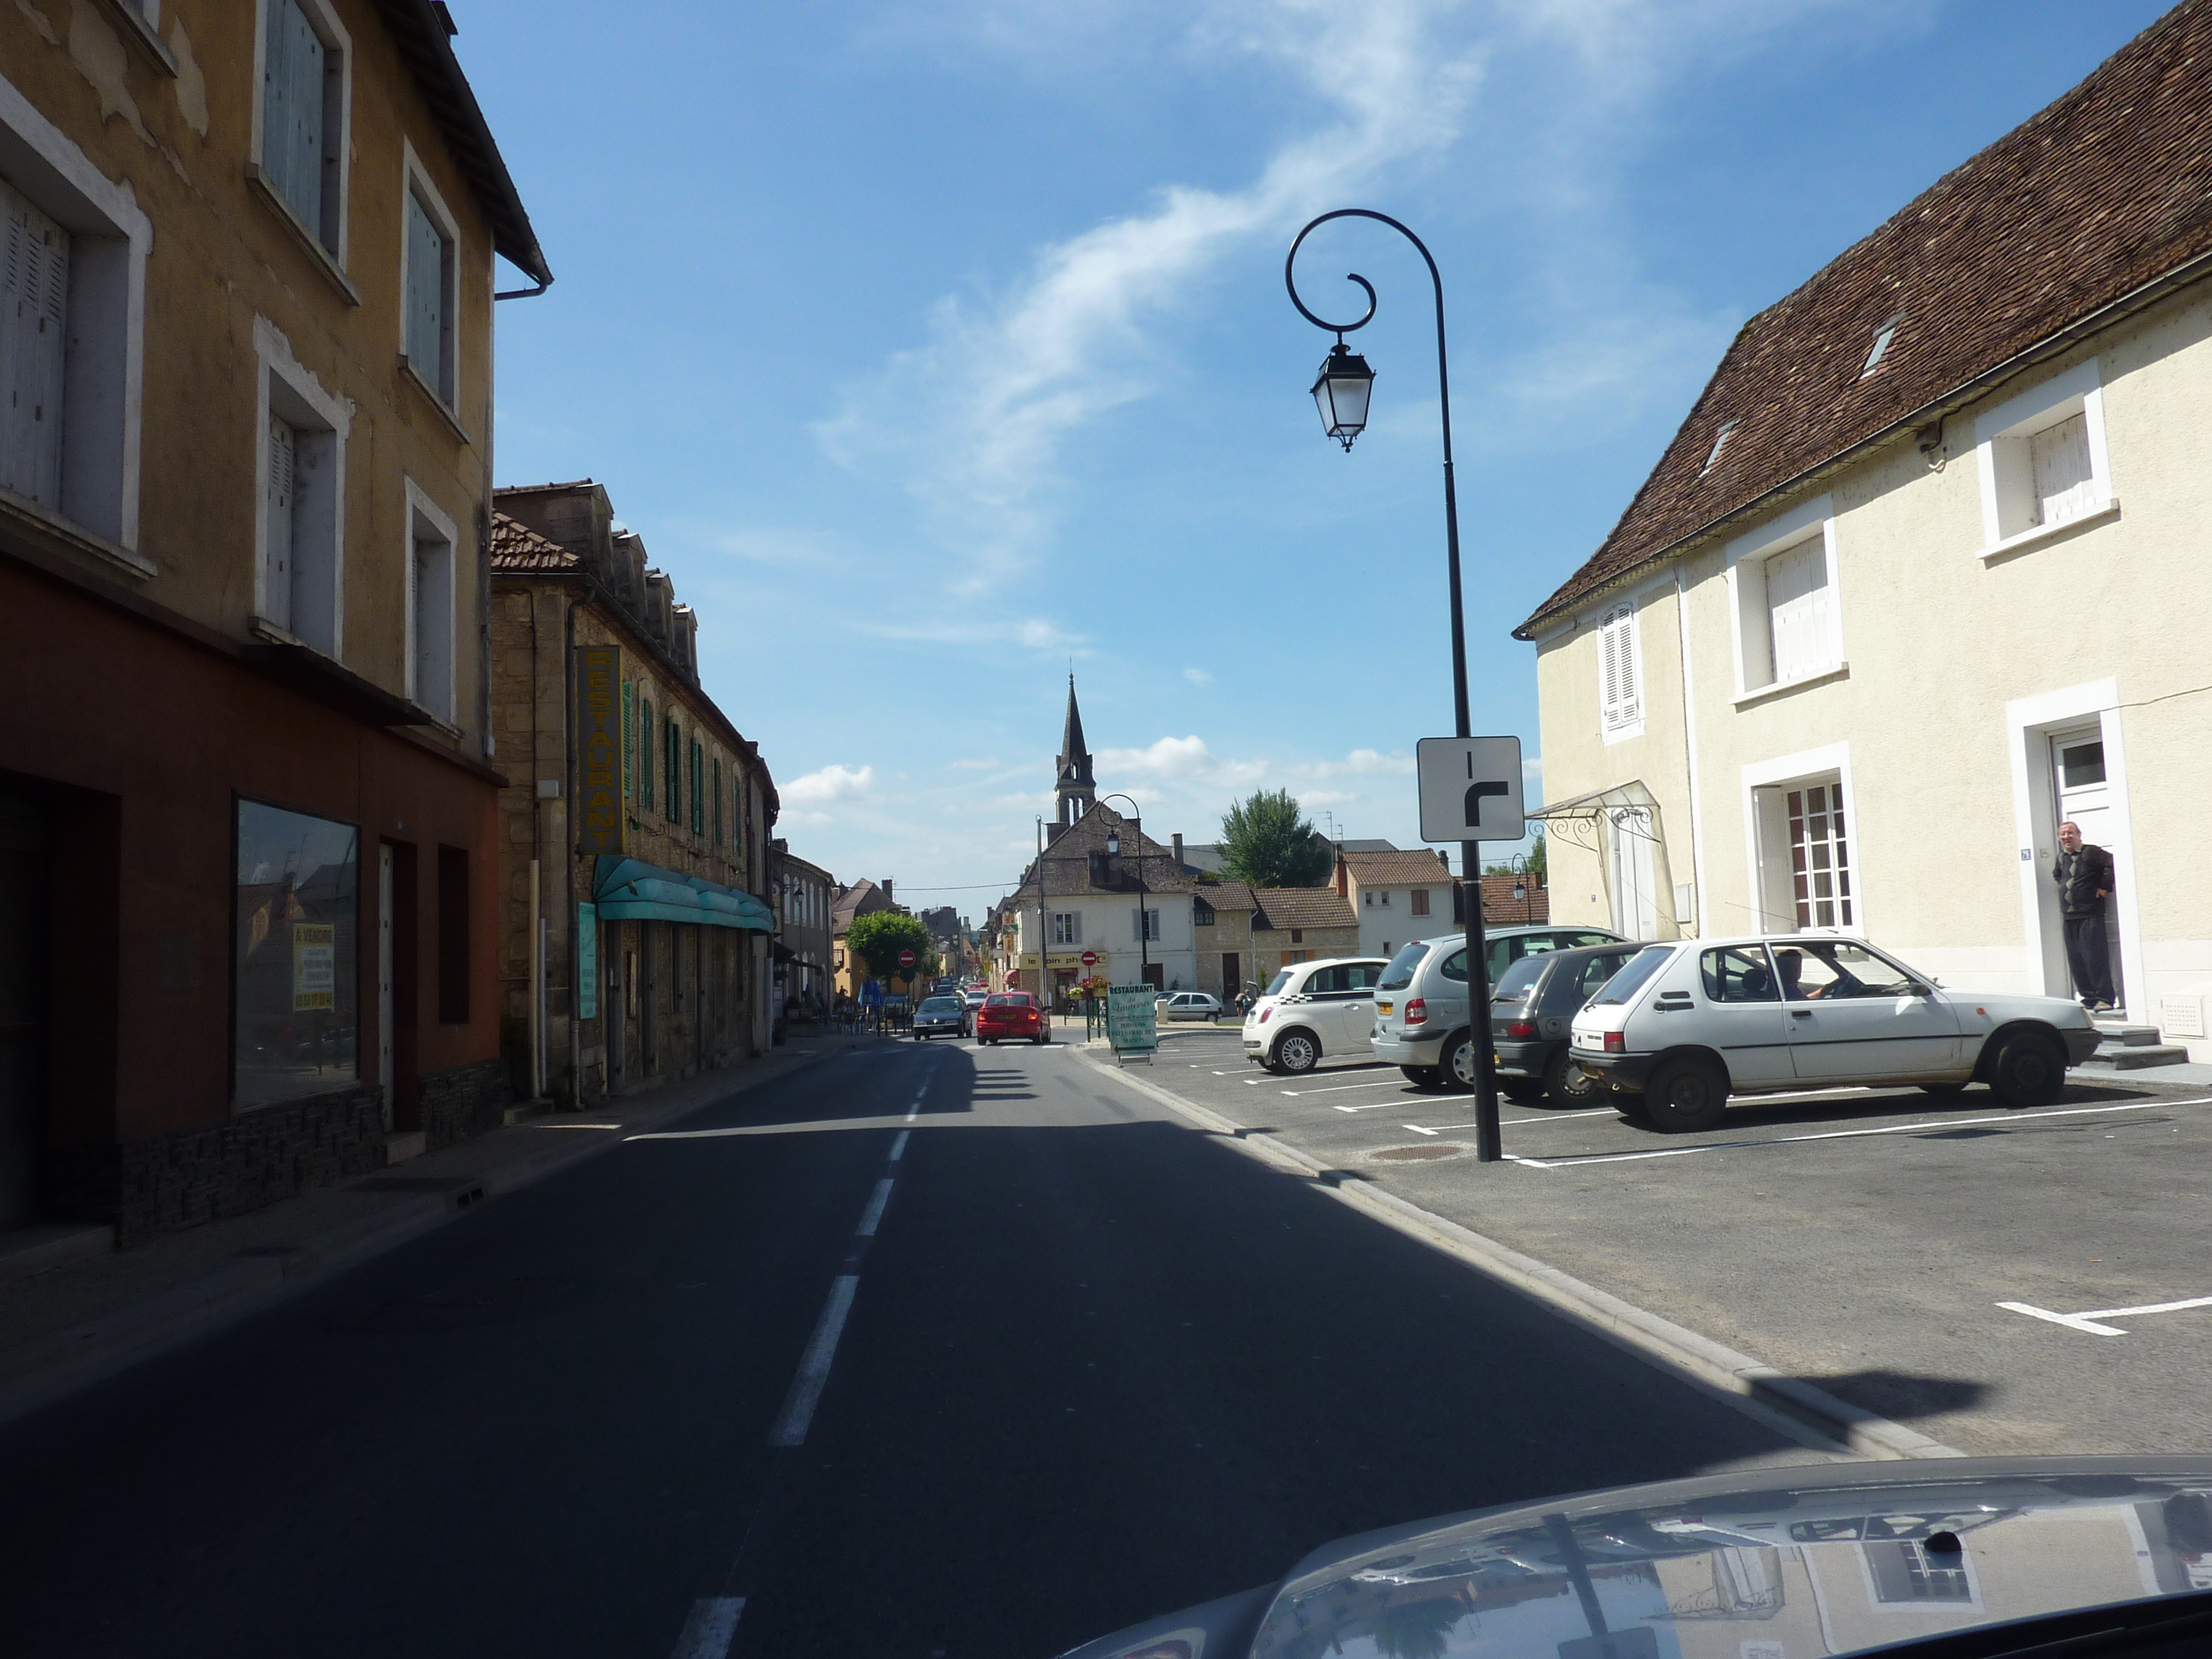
column 1114, row 850
column 1342, row 393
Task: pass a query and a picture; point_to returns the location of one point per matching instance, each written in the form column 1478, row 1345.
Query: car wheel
column 1567, row 1083
column 1424, row 1076
column 1297, row 1054
column 1630, row 1108
column 1039, row 1037
column 2029, row 1070
column 1459, row 1065
column 1686, row 1094
column 1943, row 1088
column 1521, row 1089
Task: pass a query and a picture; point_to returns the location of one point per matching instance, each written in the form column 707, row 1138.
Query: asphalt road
column 1095, row 1365
column 1865, row 1241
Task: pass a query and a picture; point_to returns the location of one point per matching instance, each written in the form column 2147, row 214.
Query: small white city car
column 1681, row 1027
column 1311, row 1009
column 1189, row 1005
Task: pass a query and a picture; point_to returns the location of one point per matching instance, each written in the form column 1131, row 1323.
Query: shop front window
column 296, row 1025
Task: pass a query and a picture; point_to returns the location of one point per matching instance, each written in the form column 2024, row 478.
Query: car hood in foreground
column 1823, row 1559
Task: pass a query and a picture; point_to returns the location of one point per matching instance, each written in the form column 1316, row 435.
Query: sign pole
column 1489, row 1144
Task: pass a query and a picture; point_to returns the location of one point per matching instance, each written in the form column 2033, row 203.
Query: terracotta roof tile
column 518, row 549
column 1305, row 907
column 1395, row 869
column 2108, row 190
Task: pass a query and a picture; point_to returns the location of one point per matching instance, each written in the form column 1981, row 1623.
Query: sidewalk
column 68, row 1322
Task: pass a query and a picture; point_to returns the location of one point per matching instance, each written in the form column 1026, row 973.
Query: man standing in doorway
column 2084, row 875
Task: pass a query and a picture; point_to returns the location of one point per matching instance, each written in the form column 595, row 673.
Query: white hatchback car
column 1311, row 1008
column 1189, row 1005
column 1683, row 1026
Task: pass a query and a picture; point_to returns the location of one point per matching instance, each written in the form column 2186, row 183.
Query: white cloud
column 1198, row 676
column 984, row 765
column 1180, row 760
column 831, row 783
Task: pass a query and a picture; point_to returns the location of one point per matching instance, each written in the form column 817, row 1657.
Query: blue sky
column 932, row 348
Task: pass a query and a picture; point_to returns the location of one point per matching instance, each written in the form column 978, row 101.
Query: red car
column 1010, row 1014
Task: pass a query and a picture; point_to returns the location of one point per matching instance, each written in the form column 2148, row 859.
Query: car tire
column 1458, row 1065
column 1296, row 1053
column 1424, row 1076
column 2029, row 1069
column 1567, row 1084
column 1943, row 1088
column 1685, row 1095
column 1522, row 1090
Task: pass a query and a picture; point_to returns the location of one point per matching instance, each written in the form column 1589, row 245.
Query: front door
column 383, row 980
column 1232, row 978
column 1156, row 975
column 24, row 972
column 1629, row 866
column 2083, row 798
column 648, row 1001
column 1854, row 1017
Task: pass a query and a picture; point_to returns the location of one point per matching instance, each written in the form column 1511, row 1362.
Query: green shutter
column 698, row 795
column 629, row 761
column 718, row 800
column 675, row 772
column 645, row 755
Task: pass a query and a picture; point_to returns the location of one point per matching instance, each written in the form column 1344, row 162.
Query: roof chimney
column 1177, row 842
column 1343, row 876
column 886, row 886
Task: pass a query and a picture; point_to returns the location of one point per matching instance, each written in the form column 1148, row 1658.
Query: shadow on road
column 1902, row 1395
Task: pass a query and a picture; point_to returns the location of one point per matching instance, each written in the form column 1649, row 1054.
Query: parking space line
column 1371, row 1106
column 2088, row 1321
column 1338, row 1088
column 1573, row 1160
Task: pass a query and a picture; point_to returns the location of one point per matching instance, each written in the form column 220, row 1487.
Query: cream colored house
column 1923, row 575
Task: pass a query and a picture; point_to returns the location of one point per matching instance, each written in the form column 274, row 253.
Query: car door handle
column 1801, row 1013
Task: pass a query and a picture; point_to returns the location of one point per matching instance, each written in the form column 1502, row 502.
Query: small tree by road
column 878, row 937
column 1268, row 841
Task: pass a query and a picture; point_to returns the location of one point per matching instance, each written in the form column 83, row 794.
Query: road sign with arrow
column 1470, row 788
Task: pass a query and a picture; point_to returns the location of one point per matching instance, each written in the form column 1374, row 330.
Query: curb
column 1776, row 1398
column 75, row 1359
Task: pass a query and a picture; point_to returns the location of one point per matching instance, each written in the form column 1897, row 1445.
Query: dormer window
column 1880, row 350
column 1720, row 443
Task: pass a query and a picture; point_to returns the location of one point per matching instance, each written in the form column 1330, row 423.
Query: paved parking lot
column 2001, row 1280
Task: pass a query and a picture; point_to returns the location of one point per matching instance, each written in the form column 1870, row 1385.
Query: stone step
column 2134, row 1036
column 2134, row 1057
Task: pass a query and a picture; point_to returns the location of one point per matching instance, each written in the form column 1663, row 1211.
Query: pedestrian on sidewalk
column 2084, row 875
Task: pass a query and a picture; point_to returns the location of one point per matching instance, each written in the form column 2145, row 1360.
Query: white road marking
column 1571, row 1161
column 1338, row 1088
column 1372, row 1106
column 575, row 1126
column 1560, row 1117
column 797, row 1413
column 874, row 1214
column 1254, row 1082
column 1419, row 1130
column 2088, row 1321
column 707, row 1631
column 898, row 1146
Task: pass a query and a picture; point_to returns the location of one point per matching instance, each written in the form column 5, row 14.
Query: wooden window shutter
column 292, row 111
column 672, row 773
column 644, row 754
column 426, row 296
column 698, row 802
column 718, row 800
column 283, row 462
column 33, row 345
column 629, row 761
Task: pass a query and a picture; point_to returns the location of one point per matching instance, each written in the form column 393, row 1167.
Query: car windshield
column 1400, row 972
column 1634, row 975
column 1513, row 985
column 941, row 1005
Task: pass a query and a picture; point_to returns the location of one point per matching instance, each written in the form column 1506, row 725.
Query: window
column 1882, row 337
column 1782, row 579
column 1820, row 971
column 429, row 284
column 1297, row 936
column 718, row 800
column 1370, row 901
column 1327, row 982
column 1819, row 855
column 2044, row 460
column 644, row 754
column 1737, row 974
column 1419, row 900
column 1145, row 924
column 671, row 773
column 1621, row 674
column 1202, row 913
column 303, row 117
column 298, row 584
column 1386, row 899
column 1068, row 928
column 453, row 935
column 698, row 798
column 295, row 956
column 1720, row 443
column 430, row 634
column 628, row 715
column 33, row 350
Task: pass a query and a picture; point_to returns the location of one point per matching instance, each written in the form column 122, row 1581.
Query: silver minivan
column 1420, row 1002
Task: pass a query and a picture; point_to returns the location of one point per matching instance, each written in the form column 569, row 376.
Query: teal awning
column 630, row 890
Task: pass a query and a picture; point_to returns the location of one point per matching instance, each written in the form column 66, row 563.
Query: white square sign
column 1470, row 788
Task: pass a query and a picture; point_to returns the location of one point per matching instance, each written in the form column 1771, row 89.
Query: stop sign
column 1090, row 958
column 906, row 958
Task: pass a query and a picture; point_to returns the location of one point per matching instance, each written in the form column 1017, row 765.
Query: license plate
column 1386, row 1007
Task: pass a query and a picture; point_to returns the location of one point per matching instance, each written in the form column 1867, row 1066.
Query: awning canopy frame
column 630, row 890
column 1608, row 823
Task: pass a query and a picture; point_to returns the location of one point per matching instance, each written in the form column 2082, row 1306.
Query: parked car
column 1421, row 1023
column 1311, row 1008
column 1683, row 1026
column 1008, row 1014
column 1190, row 1005
column 1532, row 1018
column 941, row 1017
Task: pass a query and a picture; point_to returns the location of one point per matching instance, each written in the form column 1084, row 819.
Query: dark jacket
column 2079, row 877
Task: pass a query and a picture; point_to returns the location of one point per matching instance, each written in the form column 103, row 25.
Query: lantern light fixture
column 1340, row 392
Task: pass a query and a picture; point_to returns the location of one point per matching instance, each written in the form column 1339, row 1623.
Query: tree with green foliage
column 1532, row 863
column 1268, row 841
column 878, row 937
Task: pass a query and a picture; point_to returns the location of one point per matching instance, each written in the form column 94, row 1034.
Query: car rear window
column 1513, row 985
column 1400, row 973
column 941, row 1005
column 1276, row 985
column 1634, row 975
column 1009, row 999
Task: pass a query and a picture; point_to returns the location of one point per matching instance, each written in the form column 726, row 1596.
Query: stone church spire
column 1074, row 784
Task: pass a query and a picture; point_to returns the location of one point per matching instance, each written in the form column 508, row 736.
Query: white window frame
column 2001, row 436
column 1613, row 726
column 1749, row 617
column 290, row 391
column 426, row 522
column 443, row 383
column 1067, row 927
column 330, row 238
column 103, row 386
column 1807, row 766
column 1144, row 925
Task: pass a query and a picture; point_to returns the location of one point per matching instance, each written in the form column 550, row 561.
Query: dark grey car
column 1531, row 1017
column 941, row 1017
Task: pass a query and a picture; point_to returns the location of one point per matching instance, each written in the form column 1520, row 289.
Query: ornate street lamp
column 1342, row 393
column 1144, row 893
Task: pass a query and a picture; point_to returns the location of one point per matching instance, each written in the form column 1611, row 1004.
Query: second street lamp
column 1342, row 394
column 1144, row 893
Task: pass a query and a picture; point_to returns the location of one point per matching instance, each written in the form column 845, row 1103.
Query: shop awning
column 630, row 890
